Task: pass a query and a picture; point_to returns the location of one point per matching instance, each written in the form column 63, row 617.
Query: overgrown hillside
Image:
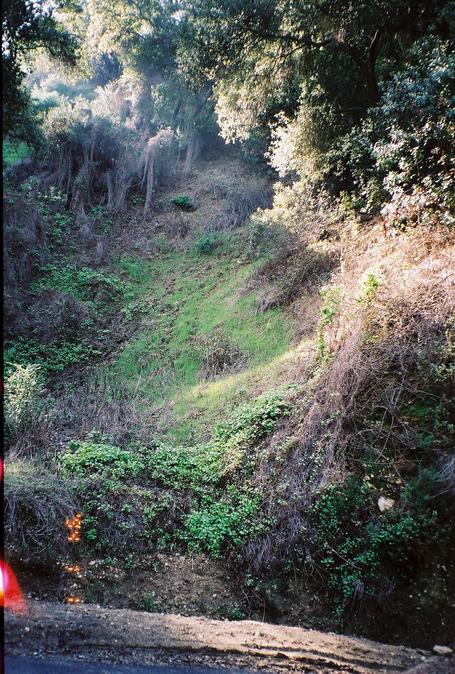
column 229, row 372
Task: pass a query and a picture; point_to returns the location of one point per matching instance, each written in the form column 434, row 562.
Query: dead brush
column 292, row 275
column 51, row 312
column 25, row 247
column 239, row 198
column 159, row 164
column 36, row 504
column 117, row 412
column 218, row 355
column 382, row 356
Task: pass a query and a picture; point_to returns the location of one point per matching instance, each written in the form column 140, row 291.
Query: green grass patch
column 182, row 299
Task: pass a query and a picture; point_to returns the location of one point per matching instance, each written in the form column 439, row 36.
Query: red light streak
column 11, row 596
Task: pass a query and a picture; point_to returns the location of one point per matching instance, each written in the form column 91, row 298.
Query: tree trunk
column 372, row 85
column 193, row 151
column 372, row 81
column 368, row 66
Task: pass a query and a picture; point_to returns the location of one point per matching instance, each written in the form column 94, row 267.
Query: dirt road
column 91, row 633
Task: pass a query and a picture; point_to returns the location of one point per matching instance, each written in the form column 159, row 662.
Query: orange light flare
column 11, row 596
column 74, row 525
column 72, row 568
column 73, row 599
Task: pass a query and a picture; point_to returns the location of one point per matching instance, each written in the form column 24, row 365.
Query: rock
column 385, row 503
column 442, row 650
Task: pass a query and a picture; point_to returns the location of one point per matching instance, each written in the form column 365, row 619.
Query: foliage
column 183, row 202
column 12, row 152
column 206, row 244
column 121, row 515
column 256, row 420
column 117, row 507
column 86, row 458
column 202, row 466
column 332, row 299
column 217, row 524
column 223, row 516
column 358, row 549
column 28, row 26
column 23, row 389
column 370, row 286
column 82, row 284
column 195, row 468
column 54, row 356
column 399, row 157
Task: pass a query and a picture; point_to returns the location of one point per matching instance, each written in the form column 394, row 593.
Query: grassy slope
column 183, row 298
column 173, row 300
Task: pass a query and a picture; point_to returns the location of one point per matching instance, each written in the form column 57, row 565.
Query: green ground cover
column 179, row 302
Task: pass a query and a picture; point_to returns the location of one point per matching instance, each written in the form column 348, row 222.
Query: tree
column 145, row 36
column 29, row 25
column 228, row 31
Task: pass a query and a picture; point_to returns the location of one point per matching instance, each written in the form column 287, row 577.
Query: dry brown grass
column 36, row 504
column 382, row 351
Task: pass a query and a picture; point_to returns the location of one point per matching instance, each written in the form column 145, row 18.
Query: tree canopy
column 29, row 25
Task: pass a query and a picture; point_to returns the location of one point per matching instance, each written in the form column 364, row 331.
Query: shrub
column 360, row 551
column 267, row 237
column 52, row 357
column 206, row 244
column 332, row 300
column 370, row 286
column 202, row 467
column 399, row 157
column 120, row 516
column 82, row 284
column 256, row 420
column 23, row 388
column 193, row 468
column 184, row 203
column 218, row 354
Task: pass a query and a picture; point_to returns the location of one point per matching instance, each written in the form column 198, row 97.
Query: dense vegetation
column 229, row 304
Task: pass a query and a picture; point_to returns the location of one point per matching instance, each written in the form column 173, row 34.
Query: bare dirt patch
column 136, row 637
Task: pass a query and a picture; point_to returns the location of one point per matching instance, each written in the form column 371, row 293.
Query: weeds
column 217, row 355
column 217, row 524
column 86, row 458
column 82, row 284
column 332, row 299
column 357, row 548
